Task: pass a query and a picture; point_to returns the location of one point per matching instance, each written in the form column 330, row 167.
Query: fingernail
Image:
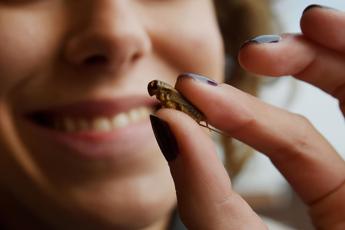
column 198, row 78
column 313, row 6
column 263, row 39
column 165, row 138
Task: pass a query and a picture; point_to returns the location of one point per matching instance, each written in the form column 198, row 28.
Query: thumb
column 204, row 194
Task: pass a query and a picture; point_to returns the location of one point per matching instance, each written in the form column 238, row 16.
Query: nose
column 107, row 34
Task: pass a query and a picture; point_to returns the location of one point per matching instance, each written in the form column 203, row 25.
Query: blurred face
column 76, row 144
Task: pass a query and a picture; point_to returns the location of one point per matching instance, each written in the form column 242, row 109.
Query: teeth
column 102, row 124
column 134, row 115
column 120, row 120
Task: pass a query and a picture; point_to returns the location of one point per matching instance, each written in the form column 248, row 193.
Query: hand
column 301, row 154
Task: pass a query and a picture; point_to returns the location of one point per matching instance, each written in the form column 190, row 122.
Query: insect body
column 171, row 98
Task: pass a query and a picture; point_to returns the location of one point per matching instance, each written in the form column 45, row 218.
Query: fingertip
column 311, row 7
column 165, row 138
column 252, row 52
column 316, row 6
column 309, row 15
column 262, row 39
column 197, row 77
column 183, row 129
column 322, row 24
column 259, row 58
column 288, row 56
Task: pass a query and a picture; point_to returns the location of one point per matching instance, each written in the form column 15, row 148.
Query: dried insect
column 171, row 98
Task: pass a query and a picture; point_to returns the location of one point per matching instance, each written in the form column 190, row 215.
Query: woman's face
column 75, row 138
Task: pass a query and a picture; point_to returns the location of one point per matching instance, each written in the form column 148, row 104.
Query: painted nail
column 313, row 6
column 263, row 39
column 165, row 138
column 198, row 78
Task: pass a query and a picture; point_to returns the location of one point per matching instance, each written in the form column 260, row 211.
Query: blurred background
column 260, row 183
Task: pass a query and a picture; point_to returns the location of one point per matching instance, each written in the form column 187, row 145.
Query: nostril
column 95, row 60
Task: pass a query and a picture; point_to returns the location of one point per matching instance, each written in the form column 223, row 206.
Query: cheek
column 15, row 60
column 202, row 53
column 24, row 47
column 192, row 45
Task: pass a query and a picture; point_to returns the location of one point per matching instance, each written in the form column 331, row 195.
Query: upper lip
column 95, row 108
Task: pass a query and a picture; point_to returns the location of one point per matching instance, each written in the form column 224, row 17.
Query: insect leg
column 211, row 129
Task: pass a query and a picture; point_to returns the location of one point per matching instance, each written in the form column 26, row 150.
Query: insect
column 171, row 98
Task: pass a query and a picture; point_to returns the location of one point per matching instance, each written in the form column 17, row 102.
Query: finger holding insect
column 171, row 98
column 302, row 155
column 205, row 197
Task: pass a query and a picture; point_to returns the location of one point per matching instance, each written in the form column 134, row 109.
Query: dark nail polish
column 263, row 39
column 165, row 138
column 313, row 6
column 198, row 77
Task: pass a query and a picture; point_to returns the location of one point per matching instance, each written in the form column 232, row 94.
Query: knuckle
column 302, row 140
column 302, row 121
column 300, row 143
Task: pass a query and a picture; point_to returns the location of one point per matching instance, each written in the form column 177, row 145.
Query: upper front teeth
column 103, row 124
column 120, row 120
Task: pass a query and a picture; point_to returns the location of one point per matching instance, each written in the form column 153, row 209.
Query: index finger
column 301, row 154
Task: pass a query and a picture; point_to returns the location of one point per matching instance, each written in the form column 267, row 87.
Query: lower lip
column 97, row 145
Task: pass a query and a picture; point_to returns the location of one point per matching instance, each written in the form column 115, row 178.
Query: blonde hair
column 240, row 20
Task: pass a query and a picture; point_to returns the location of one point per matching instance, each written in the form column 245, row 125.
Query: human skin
column 70, row 60
column 303, row 156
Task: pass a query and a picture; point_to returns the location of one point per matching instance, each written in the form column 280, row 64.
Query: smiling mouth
column 100, row 123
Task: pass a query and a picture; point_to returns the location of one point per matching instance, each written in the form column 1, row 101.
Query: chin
column 131, row 202
column 130, row 213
